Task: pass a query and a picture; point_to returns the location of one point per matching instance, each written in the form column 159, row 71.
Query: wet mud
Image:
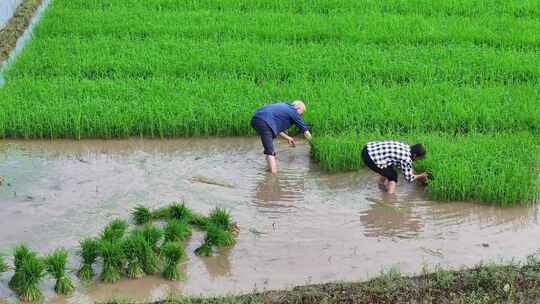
column 298, row 227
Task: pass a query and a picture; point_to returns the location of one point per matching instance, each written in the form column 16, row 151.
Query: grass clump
column 141, row 215
column 113, row 260
column 29, row 271
column 114, row 231
column 56, row 267
column 173, row 253
column 177, row 230
column 89, row 253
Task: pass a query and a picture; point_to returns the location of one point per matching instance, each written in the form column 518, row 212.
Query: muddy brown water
column 301, row 226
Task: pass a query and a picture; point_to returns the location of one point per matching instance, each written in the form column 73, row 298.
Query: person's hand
column 1, row 180
column 291, row 142
column 422, row 177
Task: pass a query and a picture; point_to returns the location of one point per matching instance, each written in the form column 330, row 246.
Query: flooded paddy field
column 301, row 226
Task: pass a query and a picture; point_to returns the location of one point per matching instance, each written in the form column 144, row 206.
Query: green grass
column 499, row 168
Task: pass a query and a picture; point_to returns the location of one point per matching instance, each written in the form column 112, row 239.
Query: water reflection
column 218, row 265
column 389, row 218
column 279, row 190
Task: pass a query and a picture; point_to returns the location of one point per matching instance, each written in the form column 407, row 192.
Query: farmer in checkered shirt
column 383, row 156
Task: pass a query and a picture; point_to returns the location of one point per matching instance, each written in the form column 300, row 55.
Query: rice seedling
column 55, row 265
column 199, row 221
column 21, row 254
column 3, row 265
column 89, row 253
column 220, row 218
column 142, row 215
column 180, row 212
column 215, row 236
column 29, row 271
column 218, row 237
column 114, row 231
column 173, row 254
column 113, row 260
column 204, row 250
column 153, row 235
column 161, row 213
column 462, row 168
column 133, row 248
column 177, row 230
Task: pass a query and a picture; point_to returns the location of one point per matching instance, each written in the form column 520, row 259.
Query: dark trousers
column 388, row 172
column 266, row 134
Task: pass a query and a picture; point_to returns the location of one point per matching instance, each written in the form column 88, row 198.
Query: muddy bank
column 302, row 226
column 16, row 25
column 485, row 284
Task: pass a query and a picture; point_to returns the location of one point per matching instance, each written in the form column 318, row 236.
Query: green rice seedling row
column 206, row 107
column 514, row 8
column 500, row 168
column 368, row 28
column 109, row 58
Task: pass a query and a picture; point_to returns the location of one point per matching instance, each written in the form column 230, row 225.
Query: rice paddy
column 416, row 69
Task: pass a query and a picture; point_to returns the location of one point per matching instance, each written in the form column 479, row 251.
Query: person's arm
column 289, row 139
column 410, row 175
column 299, row 122
column 307, row 135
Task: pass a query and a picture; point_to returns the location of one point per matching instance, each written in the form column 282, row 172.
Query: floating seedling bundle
column 56, row 267
column 173, row 253
column 89, row 253
column 29, row 271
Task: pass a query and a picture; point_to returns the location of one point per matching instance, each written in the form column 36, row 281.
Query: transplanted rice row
column 500, row 169
column 205, row 107
column 496, row 8
column 367, row 28
column 111, row 58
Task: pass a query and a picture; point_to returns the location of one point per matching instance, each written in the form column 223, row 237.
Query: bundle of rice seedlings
column 173, row 254
column 161, row 213
column 132, row 247
column 141, row 215
column 152, row 235
column 204, row 250
column 56, row 267
column 114, row 231
column 199, row 221
column 21, row 254
column 89, row 254
column 113, row 260
column 3, row 265
column 215, row 236
column 30, row 270
column 220, row 218
column 177, row 230
column 180, row 212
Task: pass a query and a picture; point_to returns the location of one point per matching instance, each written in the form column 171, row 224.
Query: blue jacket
column 280, row 117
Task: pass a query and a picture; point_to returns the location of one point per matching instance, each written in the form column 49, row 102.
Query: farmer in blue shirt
column 272, row 120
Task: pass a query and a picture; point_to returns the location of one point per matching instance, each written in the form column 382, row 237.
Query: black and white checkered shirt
column 392, row 153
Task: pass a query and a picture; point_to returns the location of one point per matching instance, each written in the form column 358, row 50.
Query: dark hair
column 418, row 151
